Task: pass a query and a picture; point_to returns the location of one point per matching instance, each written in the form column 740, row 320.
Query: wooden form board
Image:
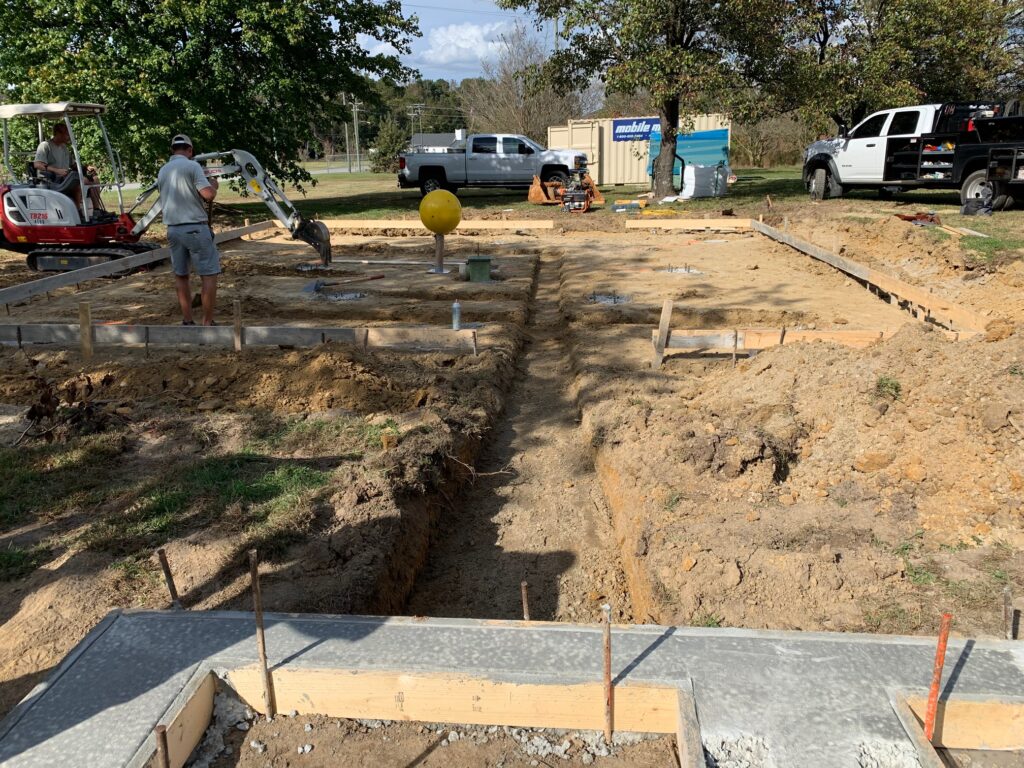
column 963, row 722
column 17, row 293
column 695, row 225
column 417, row 224
column 457, row 699
column 926, row 305
column 188, row 725
column 68, row 334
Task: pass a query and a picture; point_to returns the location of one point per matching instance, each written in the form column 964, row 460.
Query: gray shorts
column 193, row 244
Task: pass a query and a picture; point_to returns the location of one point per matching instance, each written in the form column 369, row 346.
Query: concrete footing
column 805, row 698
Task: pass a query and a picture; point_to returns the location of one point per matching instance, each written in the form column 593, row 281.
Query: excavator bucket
column 317, row 235
column 542, row 193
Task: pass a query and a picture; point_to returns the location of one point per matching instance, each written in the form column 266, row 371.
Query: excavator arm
column 238, row 162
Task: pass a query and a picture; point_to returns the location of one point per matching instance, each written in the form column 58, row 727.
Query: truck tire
column 976, row 183
column 430, row 184
column 560, row 176
column 819, row 186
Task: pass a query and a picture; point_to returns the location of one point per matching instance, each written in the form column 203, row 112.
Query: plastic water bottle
column 456, row 315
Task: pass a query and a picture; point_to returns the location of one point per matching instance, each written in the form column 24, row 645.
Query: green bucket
column 479, row 269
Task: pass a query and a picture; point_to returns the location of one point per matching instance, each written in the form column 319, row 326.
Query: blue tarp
column 698, row 148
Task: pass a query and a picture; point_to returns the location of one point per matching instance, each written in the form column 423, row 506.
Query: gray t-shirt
column 53, row 154
column 179, row 182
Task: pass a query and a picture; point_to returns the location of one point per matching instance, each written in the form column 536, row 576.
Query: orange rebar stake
column 940, row 660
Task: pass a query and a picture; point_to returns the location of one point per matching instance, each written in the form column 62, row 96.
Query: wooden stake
column 163, row 755
column 261, row 642
column 238, row 325
column 785, row 223
column 663, row 331
column 85, row 329
column 248, row 236
column 526, row 602
column 940, row 660
column 609, row 693
column 169, row 578
column 1009, row 614
column 782, row 336
column 735, row 344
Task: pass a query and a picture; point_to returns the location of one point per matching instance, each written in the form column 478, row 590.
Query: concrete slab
column 811, row 698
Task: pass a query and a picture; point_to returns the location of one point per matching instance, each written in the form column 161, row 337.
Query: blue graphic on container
column 634, row 128
column 698, row 148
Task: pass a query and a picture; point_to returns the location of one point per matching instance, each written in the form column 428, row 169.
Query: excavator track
column 65, row 259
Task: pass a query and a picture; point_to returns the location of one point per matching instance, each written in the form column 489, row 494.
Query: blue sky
column 457, row 35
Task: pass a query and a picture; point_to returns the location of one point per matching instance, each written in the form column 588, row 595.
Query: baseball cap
column 181, row 140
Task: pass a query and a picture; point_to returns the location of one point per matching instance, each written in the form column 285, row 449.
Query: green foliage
column 391, row 140
column 707, row 619
column 16, row 562
column 886, row 387
column 253, row 74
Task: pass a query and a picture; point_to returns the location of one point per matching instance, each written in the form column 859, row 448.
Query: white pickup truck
column 487, row 160
column 977, row 148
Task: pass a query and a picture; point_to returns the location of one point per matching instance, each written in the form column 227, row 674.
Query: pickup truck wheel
column 819, row 184
column 429, row 185
column 977, row 185
column 560, row 176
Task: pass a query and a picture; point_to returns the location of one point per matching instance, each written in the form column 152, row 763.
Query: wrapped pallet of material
column 705, row 181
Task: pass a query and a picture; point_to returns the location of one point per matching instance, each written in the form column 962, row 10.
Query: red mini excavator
column 53, row 220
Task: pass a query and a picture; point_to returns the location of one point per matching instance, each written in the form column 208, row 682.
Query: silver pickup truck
column 486, row 160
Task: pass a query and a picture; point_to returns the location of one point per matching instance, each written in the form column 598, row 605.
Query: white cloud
column 464, row 44
column 375, row 46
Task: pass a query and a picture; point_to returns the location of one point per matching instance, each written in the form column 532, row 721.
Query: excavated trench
column 534, row 510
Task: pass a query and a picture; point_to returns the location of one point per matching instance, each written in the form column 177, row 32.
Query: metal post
column 169, row 578
column 355, row 123
column 940, row 660
column 261, row 643
column 526, row 602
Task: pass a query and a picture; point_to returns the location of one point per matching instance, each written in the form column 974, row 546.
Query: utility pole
column 348, row 154
column 355, row 121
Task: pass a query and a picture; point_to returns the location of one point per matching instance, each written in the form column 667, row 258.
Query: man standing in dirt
column 184, row 192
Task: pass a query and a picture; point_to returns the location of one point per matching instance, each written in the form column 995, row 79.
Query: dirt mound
column 309, row 380
column 794, row 489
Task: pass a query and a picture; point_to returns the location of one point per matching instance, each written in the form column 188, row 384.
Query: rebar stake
column 609, row 694
column 526, row 600
column 261, row 642
column 940, row 660
column 169, row 578
column 163, row 755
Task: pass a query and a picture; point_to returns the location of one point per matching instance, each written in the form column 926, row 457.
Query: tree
column 253, row 74
column 391, row 139
column 503, row 100
column 849, row 58
column 681, row 52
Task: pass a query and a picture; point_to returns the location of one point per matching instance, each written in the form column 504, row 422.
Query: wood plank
column 281, row 336
column 417, row 224
column 119, row 334
column 413, row 338
column 189, row 724
column 65, row 334
column 925, row 751
column 945, row 312
column 688, row 741
column 216, row 336
column 459, row 699
column 737, row 225
column 968, row 722
column 17, row 293
column 9, row 334
column 661, row 338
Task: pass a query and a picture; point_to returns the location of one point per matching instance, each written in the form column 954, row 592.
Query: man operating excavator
column 184, row 190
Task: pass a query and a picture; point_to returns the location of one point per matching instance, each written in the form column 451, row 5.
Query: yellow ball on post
column 440, row 211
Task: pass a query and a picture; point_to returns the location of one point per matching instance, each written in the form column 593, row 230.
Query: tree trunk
column 664, row 162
